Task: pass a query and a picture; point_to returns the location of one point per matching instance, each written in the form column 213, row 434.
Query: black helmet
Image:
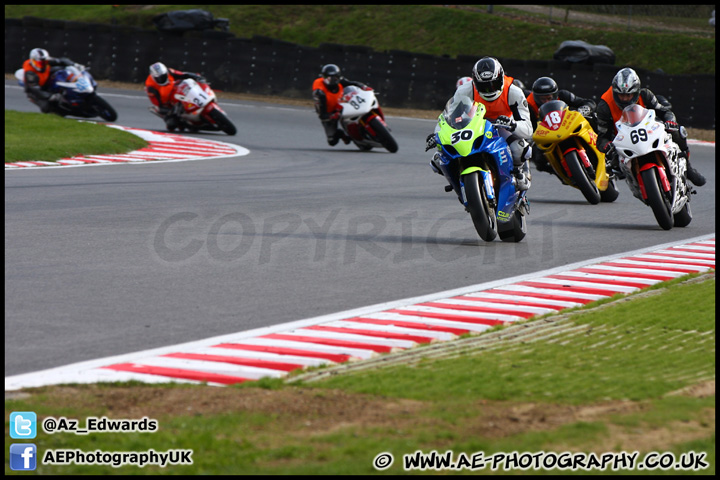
column 331, row 74
column 626, row 81
column 489, row 78
column 544, row 89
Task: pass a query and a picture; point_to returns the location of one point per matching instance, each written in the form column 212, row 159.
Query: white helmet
column 159, row 72
column 626, row 82
column 39, row 57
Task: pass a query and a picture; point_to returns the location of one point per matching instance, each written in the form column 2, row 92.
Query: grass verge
column 39, row 137
column 635, row 375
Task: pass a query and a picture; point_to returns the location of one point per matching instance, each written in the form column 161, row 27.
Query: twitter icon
column 23, row 425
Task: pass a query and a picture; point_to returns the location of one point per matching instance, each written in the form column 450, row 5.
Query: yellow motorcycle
column 568, row 143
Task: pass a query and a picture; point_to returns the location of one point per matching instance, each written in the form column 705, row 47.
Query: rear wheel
column 515, row 229
column 656, row 198
column 483, row 215
column 683, row 217
column 382, row 135
column 581, row 178
column 611, row 192
column 223, row 122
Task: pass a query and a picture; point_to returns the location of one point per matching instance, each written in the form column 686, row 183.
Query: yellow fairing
column 574, row 131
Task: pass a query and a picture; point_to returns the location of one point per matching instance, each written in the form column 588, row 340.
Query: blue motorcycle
column 78, row 94
column 477, row 163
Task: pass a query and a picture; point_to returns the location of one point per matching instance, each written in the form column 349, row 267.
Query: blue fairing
column 498, row 148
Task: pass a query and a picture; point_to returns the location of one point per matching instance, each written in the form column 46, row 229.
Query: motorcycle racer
column 326, row 91
column 159, row 86
column 506, row 107
column 545, row 89
column 626, row 90
column 36, row 76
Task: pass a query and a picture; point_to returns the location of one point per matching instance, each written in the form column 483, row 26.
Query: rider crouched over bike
column 326, row 91
column 626, row 90
column 159, row 86
column 545, row 89
column 36, row 77
column 506, row 108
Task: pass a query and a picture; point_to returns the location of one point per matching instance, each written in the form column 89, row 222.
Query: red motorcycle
column 363, row 121
column 198, row 107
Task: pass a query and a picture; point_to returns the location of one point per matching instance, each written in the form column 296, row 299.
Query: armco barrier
column 262, row 65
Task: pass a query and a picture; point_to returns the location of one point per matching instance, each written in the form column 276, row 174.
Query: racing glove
column 671, row 126
column 584, row 110
column 336, row 114
column 430, row 142
column 506, row 122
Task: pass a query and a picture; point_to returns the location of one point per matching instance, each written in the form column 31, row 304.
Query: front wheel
column 483, row 215
column 103, row 109
column 581, row 178
column 223, row 122
column 656, row 199
column 382, row 135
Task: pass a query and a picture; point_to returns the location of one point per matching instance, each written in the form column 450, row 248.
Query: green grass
column 39, row 137
column 426, row 29
column 625, row 357
column 644, row 349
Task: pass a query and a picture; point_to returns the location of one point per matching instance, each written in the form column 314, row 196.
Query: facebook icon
column 23, row 456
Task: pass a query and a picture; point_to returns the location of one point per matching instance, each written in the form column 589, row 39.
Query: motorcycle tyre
column 103, row 109
column 382, row 135
column 656, row 199
column 515, row 229
column 581, row 178
column 611, row 192
column 223, row 122
column 483, row 216
column 683, row 217
column 363, row 147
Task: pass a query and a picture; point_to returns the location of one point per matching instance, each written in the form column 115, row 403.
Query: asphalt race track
column 106, row 260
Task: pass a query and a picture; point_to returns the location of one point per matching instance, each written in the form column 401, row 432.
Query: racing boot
column 522, row 177
column 612, row 164
column 693, row 175
column 435, row 162
column 540, row 162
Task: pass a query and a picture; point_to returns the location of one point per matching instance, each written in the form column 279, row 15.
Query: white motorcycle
column 198, row 107
column 363, row 121
column 654, row 169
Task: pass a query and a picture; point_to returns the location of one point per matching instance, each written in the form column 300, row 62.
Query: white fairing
column 193, row 96
column 356, row 102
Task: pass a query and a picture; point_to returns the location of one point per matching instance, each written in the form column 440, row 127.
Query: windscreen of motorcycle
column 632, row 115
column 459, row 111
column 348, row 93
